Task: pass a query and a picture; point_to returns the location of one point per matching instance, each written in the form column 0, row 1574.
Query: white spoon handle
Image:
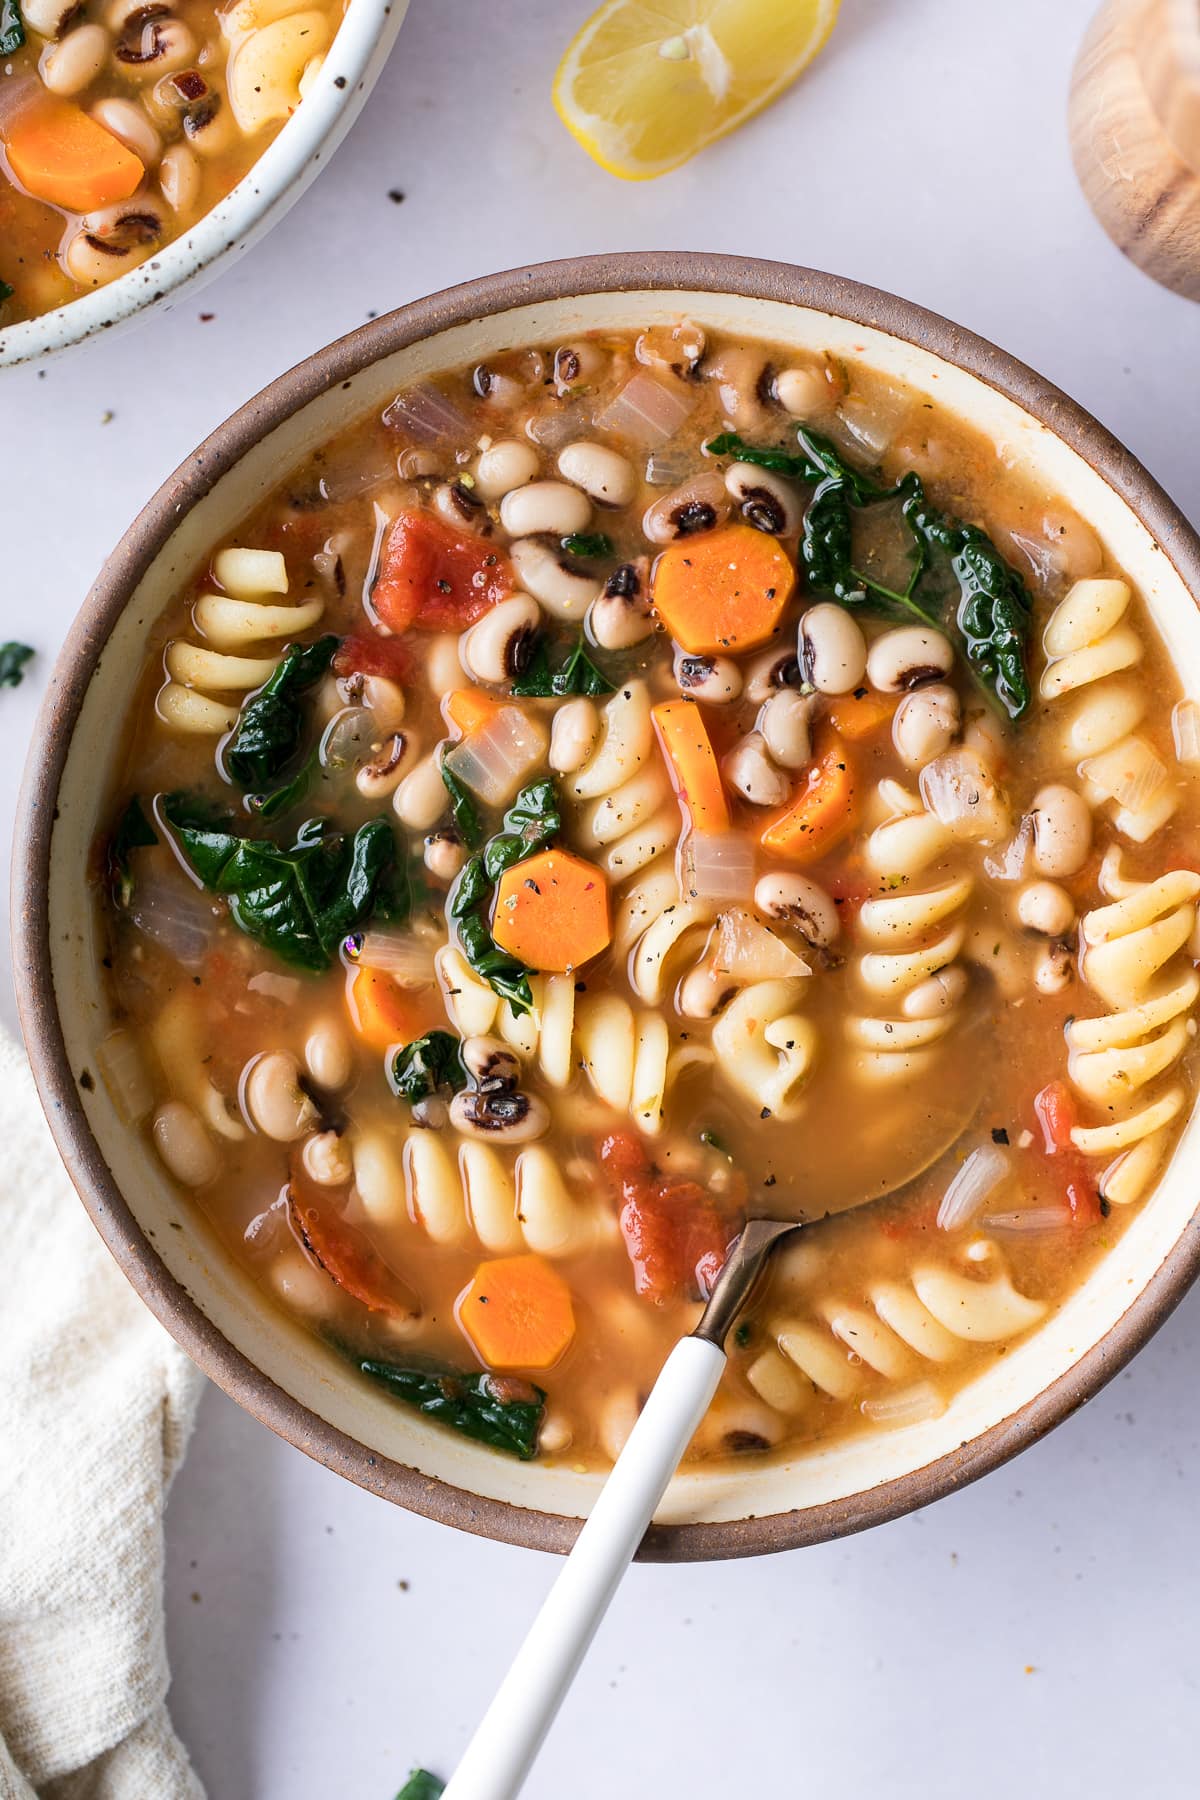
column 499, row 1756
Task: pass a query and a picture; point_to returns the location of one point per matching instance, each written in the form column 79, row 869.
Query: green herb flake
column 13, row 658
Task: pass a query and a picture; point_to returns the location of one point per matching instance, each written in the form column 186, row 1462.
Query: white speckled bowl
column 263, row 195
column 273, row 1366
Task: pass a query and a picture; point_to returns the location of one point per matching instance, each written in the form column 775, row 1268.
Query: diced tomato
column 675, row 1234
column 345, row 1253
column 1056, row 1115
column 371, row 653
column 434, row 577
column 1083, row 1198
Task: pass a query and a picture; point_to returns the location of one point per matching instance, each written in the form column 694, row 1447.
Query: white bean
column 75, row 61
column 503, row 466
column 499, row 645
column 443, row 670
column 608, row 477
column 444, row 856
column 274, row 1099
column 765, row 499
column 179, row 178
column 784, row 722
column 326, row 1159
column 907, row 658
column 421, row 799
column 48, row 17
column 184, row 1145
column 1053, row 969
column 832, row 649
column 750, row 770
column 573, row 734
column 1046, row 908
column 925, row 724
column 805, row 393
column 1062, row 831
column 545, row 507
column 327, row 1055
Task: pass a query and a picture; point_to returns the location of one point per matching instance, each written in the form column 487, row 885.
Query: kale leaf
column 13, row 658
column 134, row 832
column 498, row 1411
column 421, row 1785
column 993, row 609
column 427, row 1064
column 576, row 674
column 12, row 36
column 587, row 543
column 463, row 809
column 530, row 823
column 302, row 899
column 270, row 727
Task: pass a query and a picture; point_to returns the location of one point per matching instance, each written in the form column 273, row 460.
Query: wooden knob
column 1135, row 134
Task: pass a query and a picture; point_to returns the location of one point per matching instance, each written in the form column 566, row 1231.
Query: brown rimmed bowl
column 275, row 1368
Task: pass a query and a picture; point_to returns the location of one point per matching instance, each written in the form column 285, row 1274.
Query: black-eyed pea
column 908, row 657
column 1054, row 968
column 785, row 721
column 385, row 699
column 1046, row 908
column 443, row 669
column 749, row 769
column 773, row 670
column 500, row 644
column 800, row 902
column 150, row 42
column 326, row 1159
column 128, row 122
column 114, row 239
column 831, row 649
column 376, row 779
column 1062, row 831
column 805, row 393
column 622, row 615
column 49, row 18
column 926, row 723
column 458, row 505
column 275, row 1100
column 545, row 508
column 607, row 477
column 444, row 855
column 716, row 680
column 697, row 505
column 184, row 1145
column 546, row 573
column 764, row 499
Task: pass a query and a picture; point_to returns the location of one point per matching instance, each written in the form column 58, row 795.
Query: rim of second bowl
column 339, row 362
column 273, row 183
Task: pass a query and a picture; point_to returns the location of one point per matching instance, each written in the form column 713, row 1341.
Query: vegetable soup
column 122, row 123
column 625, row 785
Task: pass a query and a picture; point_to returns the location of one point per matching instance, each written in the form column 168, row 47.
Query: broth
column 649, row 884
column 122, row 124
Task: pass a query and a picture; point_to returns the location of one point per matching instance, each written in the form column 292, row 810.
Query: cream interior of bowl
column 288, row 1354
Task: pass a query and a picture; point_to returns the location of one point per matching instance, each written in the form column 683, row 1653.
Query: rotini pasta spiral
column 1088, row 642
column 915, row 937
column 206, row 681
column 1132, row 958
column 478, row 1195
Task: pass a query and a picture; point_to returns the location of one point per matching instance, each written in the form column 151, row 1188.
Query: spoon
column 508, row 1738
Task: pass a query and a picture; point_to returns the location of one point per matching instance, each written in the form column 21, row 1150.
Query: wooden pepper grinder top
column 1135, row 133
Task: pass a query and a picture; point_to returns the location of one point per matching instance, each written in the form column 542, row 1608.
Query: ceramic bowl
column 275, row 182
column 275, row 1368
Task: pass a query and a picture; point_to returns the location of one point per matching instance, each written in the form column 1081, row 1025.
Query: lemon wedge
column 644, row 86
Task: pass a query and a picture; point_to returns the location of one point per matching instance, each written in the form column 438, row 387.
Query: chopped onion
column 646, row 410
column 1037, row 553
column 494, row 761
column 349, row 737
column 872, row 424
column 558, row 426
column 268, row 1230
column 670, row 467
column 908, row 1407
column 1185, row 726
column 283, row 988
column 1034, row 1221
column 1009, row 864
column 407, row 959
column 982, row 1172
column 176, row 916
column 959, row 790
column 424, row 414
column 750, row 951
column 1130, row 773
column 717, row 865
column 124, row 1075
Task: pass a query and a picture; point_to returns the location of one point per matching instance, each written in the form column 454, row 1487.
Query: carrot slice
column 63, row 157
column 434, row 577
column 468, row 710
column 692, row 764
column 824, row 810
column 383, row 1013
column 723, row 591
column 552, row 911
column 860, row 715
column 517, row 1313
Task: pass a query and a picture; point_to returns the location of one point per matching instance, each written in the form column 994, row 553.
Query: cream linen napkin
column 96, row 1404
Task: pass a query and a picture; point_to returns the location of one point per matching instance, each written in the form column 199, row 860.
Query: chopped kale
column 576, row 674
column 13, row 658
column 530, row 823
column 495, row 1410
column 588, row 543
column 421, row 1785
column 270, row 729
column 134, row 832
column 463, row 809
column 427, row 1064
column 12, row 36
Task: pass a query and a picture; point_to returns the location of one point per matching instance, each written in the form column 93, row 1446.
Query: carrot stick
column 65, row 158
column 860, row 715
column 552, row 911
column 468, row 710
column 723, row 591
column 693, row 768
column 383, row 1013
column 517, row 1313
column 823, row 811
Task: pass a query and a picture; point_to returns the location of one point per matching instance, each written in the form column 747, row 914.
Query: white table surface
column 1035, row 1634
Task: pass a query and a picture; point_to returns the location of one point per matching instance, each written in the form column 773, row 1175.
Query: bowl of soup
column 595, row 754
column 142, row 146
